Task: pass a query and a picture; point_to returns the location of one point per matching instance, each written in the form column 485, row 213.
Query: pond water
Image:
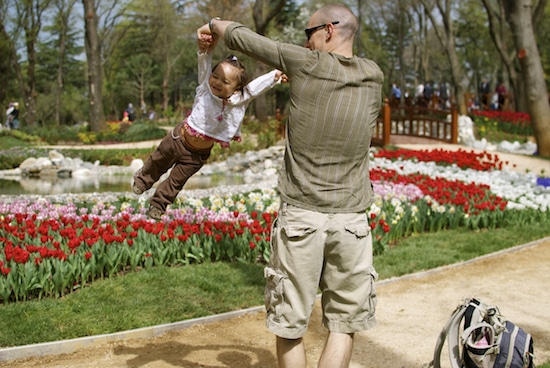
column 22, row 186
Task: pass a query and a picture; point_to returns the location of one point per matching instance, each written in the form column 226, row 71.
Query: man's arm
column 283, row 56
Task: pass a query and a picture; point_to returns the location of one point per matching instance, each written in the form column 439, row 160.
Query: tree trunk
column 261, row 22
column 30, row 21
column 496, row 31
column 12, row 56
column 446, row 37
column 166, row 84
column 93, row 55
column 518, row 15
column 64, row 10
column 457, row 76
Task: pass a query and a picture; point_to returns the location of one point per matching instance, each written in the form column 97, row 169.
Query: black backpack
column 479, row 336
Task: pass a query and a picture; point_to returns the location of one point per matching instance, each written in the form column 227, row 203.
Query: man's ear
column 329, row 31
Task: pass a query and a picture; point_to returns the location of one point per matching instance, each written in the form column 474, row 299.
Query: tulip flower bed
column 50, row 249
column 517, row 123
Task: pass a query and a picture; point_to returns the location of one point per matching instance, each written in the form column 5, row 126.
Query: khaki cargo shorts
column 312, row 251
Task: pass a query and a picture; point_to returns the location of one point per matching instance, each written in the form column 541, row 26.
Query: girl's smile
column 224, row 80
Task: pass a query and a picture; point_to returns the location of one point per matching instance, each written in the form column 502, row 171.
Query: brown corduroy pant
column 172, row 152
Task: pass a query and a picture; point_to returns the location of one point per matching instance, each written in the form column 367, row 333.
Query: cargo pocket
column 297, row 232
column 373, row 300
column 273, row 294
column 359, row 230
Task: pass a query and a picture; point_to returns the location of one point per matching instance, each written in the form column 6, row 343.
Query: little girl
column 218, row 110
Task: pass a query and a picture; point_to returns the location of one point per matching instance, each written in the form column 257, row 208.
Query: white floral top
column 214, row 118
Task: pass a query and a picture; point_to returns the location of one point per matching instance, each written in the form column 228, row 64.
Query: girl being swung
column 221, row 99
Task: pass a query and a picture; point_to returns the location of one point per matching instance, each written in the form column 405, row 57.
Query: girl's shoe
column 155, row 213
column 136, row 189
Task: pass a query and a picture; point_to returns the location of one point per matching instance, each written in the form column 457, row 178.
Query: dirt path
column 411, row 312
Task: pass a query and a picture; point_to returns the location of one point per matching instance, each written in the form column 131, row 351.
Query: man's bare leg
column 337, row 351
column 291, row 353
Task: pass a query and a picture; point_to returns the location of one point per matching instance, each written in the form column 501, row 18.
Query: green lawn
column 169, row 294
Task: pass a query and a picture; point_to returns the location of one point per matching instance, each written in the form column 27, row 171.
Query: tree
column 446, row 35
column 476, row 48
column 61, row 84
column 263, row 12
column 28, row 19
column 543, row 36
column 142, row 68
column 64, row 10
column 501, row 39
column 519, row 15
column 95, row 74
column 420, row 43
column 394, row 33
column 165, row 46
column 8, row 63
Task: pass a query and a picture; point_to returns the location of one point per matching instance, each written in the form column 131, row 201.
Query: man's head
column 332, row 29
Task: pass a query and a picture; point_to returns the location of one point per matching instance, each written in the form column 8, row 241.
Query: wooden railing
column 415, row 121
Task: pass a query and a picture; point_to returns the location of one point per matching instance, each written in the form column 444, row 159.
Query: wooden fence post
column 454, row 124
column 387, row 122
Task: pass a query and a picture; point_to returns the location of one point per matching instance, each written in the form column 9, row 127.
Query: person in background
column 428, row 94
column 443, row 97
column 14, row 116
column 395, row 95
column 143, row 110
column 218, row 111
column 419, row 94
column 131, row 114
column 321, row 238
column 502, row 95
column 485, row 94
column 9, row 117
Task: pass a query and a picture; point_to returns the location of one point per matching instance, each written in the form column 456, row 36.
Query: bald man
column 321, row 239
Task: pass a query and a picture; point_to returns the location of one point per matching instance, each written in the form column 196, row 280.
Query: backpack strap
column 450, row 330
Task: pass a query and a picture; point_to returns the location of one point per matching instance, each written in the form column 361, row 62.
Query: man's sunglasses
column 310, row 31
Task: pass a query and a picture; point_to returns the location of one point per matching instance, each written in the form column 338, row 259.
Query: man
column 321, row 238
column 484, row 94
column 9, row 116
column 395, row 96
column 130, row 112
column 428, row 94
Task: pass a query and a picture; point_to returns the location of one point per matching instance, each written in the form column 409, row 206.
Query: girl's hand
column 204, row 34
column 205, row 42
column 280, row 75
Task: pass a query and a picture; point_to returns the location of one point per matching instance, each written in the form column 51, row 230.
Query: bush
column 13, row 157
column 118, row 157
column 141, row 131
column 59, row 134
column 19, row 135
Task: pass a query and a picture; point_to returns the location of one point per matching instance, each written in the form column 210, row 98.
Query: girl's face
column 224, row 80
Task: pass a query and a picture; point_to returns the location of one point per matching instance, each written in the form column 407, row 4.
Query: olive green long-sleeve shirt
column 334, row 104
